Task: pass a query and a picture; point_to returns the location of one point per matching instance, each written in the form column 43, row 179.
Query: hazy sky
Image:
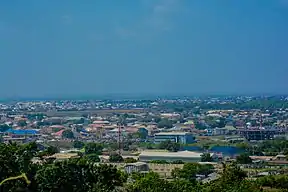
column 95, row 47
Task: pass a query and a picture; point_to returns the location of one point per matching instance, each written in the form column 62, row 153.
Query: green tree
column 232, row 173
column 115, row 158
column 165, row 123
column 93, row 148
column 51, row 150
column 169, row 145
column 93, row 158
column 243, row 159
column 4, row 127
column 22, row 123
column 152, row 182
column 206, row 157
column 68, row 134
column 159, row 162
column 177, row 162
column 78, row 144
column 16, row 159
column 149, row 182
column 190, row 170
column 232, row 179
column 78, row 175
column 130, row 160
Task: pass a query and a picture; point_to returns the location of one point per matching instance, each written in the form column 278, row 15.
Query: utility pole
column 119, row 138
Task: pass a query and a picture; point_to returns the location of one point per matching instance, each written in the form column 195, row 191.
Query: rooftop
column 172, row 133
column 185, row 154
column 22, row 132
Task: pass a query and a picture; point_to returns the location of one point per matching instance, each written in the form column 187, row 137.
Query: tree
column 165, row 123
column 68, row 134
column 51, row 150
column 93, row 148
column 152, row 182
column 243, row 159
column 169, row 145
column 130, row 160
column 78, row 144
column 232, row 173
column 79, row 121
column 159, row 162
column 4, row 127
column 274, row 181
column 206, row 157
column 232, row 179
column 115, row 158
column 177, row 162
column 22, row 123
column 93, row 158
column 190, row 170
column 78, row 175
column 149, row 182
column 16, row 159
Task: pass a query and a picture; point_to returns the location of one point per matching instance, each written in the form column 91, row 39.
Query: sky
column 61, row 48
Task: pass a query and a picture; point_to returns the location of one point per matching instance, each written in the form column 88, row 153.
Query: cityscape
column 143, row 96
column 159, row 136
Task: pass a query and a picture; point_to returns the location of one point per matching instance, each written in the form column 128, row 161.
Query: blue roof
column 22, row 132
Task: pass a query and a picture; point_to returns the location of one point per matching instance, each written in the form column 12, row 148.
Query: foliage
column 22, row 123
column 77, row 175
column 214, row 122
column 177, row 162
column 68, row 134
column 243, row 158
column 190, row 170
column 78, row 144
column 149, row 182
column 165, row 123
column 94, row 148
column 71, row 175
column 159, row 162
column 51, row 150
column 130, row 160
column 152, row 182
column 16, row 159
column 36, row 116
column 92, row 158
column 83, row 174
column 115, row 158
column 274, row 181
column 4, row 127
column 232, row 179
column 206, row 157
column 232, row 173
column 169, row 145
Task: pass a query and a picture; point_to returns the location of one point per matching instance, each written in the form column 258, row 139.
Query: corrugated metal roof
column 23, row 132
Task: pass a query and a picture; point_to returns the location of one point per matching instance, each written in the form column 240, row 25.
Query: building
column 260, row 133
column 185, row 156
column 177, row 137
column 13, row 133
column 136, row 167
column 220, row 131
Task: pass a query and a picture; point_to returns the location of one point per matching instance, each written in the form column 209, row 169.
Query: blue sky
column 74, row 48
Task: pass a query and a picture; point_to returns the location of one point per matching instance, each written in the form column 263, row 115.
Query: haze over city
column 75, row 48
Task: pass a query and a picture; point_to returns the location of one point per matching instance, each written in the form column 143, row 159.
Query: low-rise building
column 260, row 133
column 185, row 156
column 136, row 167
column 177, row 137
